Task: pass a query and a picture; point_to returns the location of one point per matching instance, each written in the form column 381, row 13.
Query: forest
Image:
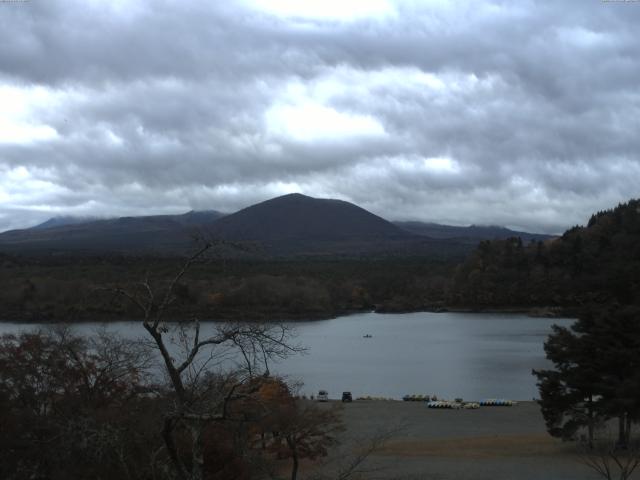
column 61, row 289
column 595, row 264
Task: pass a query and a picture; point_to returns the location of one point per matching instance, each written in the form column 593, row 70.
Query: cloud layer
column 523, row 114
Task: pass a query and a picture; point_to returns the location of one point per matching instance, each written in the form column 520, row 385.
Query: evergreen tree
column 596, row 375
column 617, row 333
column 567, row 394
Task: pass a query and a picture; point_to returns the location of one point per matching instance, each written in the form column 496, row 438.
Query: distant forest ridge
column 595, row 264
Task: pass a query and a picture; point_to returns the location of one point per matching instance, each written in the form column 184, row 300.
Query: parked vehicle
column 347, row 397
column 323, row 396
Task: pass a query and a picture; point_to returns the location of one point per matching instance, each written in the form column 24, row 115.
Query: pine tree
column 596, row 375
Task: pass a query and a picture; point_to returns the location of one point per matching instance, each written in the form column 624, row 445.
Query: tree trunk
column 167, row 435
column 591, row 421
column 294, row 456
column 197, row 452
column 622, row 437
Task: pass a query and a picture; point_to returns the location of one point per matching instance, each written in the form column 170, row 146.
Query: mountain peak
column 299, row 219
column 291, row 197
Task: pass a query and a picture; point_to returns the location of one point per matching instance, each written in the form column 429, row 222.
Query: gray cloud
column 520, row 114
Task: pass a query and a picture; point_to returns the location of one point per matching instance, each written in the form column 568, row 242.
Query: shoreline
column 533, row 312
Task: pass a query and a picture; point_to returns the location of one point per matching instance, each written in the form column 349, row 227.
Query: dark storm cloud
column 524, row 114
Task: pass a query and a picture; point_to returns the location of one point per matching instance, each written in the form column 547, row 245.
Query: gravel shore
column 492, row 443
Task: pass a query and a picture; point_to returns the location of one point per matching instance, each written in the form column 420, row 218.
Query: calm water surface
column 447, row 354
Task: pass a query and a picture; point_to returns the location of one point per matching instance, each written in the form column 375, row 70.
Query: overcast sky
column 524, row 114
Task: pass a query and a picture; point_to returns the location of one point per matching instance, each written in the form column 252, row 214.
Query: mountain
column 472, row 234
column 159, row 234
column 296, row 217
column 292, row 224
column 298, row 224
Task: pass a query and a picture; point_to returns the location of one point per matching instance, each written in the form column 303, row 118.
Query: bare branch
column 169, row 293
column 611, row 462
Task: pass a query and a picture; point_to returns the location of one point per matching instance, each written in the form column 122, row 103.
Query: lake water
column 468, row 355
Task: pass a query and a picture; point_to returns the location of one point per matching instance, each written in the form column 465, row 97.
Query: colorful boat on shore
column 497, row 402
column 453, row 405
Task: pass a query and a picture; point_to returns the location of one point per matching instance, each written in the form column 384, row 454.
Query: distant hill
column 157, row 234
column 471, row 234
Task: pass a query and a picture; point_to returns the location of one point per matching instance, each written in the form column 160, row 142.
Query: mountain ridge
column 474, row 233
column 292, row 224
column 154, row 233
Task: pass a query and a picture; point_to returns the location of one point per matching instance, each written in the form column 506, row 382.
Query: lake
column 468, row 355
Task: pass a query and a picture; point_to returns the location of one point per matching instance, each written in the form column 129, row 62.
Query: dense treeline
column 596, row 264
column 78, row 289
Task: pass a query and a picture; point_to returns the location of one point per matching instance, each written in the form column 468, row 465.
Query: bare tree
column 198, row 400
column 357, row 464
column 305, row 431
column 611, row 462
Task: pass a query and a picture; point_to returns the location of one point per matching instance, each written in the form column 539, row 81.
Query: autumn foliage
column 69, row 407
column 74, row 407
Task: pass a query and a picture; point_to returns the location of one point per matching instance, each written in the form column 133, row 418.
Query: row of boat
column 435, row 403
column 497, row 402
column 453, row 405
column 418, row 398
column 369, row 397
